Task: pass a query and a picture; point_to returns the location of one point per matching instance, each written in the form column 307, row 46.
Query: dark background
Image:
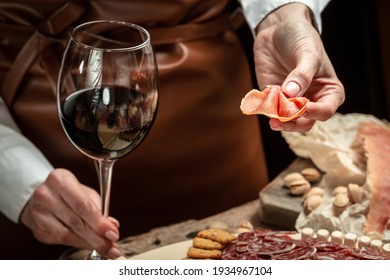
column 356, row 35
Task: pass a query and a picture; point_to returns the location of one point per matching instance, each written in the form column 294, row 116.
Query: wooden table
column 185, row 230
column 275, row 209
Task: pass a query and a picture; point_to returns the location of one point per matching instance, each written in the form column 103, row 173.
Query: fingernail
column 114, row 253
column 277, row 128
column 115, row 221
column 292, row 89
column 111, row 235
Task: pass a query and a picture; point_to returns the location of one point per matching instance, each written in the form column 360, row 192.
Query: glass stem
column 104, row 168
column 105, row 177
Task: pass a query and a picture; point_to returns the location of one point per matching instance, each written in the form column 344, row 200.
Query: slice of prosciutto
column 375, row 139
column 273, row 103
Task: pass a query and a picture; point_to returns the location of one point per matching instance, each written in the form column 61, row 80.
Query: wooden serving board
column 278, row 207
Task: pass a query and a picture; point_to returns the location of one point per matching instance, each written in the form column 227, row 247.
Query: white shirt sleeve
column 22, row 168
column 256, row 10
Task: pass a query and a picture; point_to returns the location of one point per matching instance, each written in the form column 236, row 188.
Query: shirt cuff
column 22, row 168
column 256, row 10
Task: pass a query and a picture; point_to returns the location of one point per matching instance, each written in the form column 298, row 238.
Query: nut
column 246, row 224
column 291, row 177
column 218, row 225
column 341, row 200
column 314, row 191
column 339, row 189
column 311, row 174
column 355, row 193
column 312, row 202
column 299, row 187
column 241, row 230
column 340, row 203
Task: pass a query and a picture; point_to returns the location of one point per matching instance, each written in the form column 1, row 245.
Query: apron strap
column 39, row 41
column 37, row 46
column 195, row 31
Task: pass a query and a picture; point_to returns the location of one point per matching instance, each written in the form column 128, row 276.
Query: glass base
column 96, row 256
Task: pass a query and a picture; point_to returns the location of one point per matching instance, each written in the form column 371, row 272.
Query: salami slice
column 275, row 237
column 318, row 257
column 242, row 248
column 230, row 248
column 247, row 256
column 248, row 237
column 368, row 253
column 229, row 256
column 310, row 241
column 338, row 255
column 298, row 253
column 285, row 233
column 263, row 232
column 266, row 244
column 324, row 246
column 270, row 248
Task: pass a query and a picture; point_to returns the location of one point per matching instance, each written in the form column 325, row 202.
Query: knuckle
column 84, row 206
column 75, row 224
column 35, row 213
column 326, row 113
column 304, row 77
column 43, row 235
column 64, row 237
column 41, row 192
column 41, row 196
column 56, row 178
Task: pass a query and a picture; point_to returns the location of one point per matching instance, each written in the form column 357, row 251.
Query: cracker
column 207, row 244
column 198, row 253
column 218, row 235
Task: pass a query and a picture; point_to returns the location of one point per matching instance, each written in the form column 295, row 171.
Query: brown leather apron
column 202, row 155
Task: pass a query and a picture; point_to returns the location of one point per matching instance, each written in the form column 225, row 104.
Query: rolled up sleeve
column 256, row 10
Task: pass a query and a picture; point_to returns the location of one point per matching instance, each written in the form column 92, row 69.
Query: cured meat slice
column 270, row 248
column 231, row 247
column 375, row 139
column 337, row 255
column 242, row 248
column 274, row 104
column 367, row 253
column 298, row 253
column 324, row 246
column 277, row 237
column 279, row 246
column 230, row 256
column 247, row 256
column 247, row 237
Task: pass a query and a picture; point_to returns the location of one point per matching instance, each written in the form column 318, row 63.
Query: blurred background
column 356, row 35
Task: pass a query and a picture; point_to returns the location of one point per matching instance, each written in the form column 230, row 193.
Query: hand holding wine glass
column 63, row 211
column 107, row 94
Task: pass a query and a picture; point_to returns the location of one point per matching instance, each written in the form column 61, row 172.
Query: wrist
column 289, row 11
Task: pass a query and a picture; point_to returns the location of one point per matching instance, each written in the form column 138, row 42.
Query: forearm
column 256, row 10
column 22, row 168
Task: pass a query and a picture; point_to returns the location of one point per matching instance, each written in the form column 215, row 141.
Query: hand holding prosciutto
column 288, row 51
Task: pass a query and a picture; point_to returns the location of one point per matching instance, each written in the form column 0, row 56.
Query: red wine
column 107, row 122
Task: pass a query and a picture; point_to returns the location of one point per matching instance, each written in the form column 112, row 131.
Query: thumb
column 299, row 79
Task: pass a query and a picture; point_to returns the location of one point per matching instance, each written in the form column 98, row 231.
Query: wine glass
column 107, row 94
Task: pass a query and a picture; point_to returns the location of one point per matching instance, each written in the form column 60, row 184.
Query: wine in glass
column 107, row 94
